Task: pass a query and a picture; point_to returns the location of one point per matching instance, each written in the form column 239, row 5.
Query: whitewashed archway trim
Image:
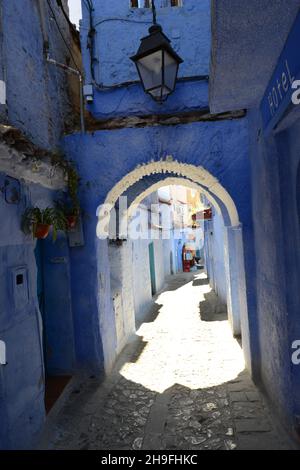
column 196, row 174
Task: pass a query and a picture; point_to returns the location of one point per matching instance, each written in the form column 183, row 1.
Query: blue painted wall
column 116, row 24
column 22, row 380
column 38, row 103
column 37, row 96
column 275, row 184
column 187, row 144
column 275, row 188
column 275, row 168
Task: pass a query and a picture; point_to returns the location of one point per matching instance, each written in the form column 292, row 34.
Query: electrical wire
column 123, row 20
column 63, row 38
column 57, row 82
column 77, row 71
column 90, row 4
column 92, row 31
column 154, row 12
column 90, row 7
column 60, row 4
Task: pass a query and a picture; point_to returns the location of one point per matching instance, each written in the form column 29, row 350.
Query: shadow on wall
column 212, row 308
column 151, row 315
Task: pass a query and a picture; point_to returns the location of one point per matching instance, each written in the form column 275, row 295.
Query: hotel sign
column 283, row 84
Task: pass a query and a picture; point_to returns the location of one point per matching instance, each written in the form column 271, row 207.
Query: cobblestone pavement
column 180, row 385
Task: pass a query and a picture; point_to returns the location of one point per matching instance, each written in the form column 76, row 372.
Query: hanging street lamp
column 157, row 63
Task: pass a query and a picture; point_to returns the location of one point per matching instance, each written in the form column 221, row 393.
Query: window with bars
column 159, row 3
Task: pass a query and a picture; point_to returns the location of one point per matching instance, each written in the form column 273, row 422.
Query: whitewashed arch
column 195, row 174
column 169, row 182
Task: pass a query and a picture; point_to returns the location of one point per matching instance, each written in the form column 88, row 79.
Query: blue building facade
column 210, row 134
column 127, row 154
column 36, row 322
column 274, row 155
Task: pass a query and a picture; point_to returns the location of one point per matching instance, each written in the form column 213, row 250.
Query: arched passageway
column 180, row 383
column 150, row 155
column 134, row 162
column 135, row 187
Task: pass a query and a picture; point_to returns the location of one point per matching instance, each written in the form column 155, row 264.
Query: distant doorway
column 152, row 268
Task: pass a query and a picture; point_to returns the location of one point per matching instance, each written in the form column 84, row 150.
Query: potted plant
column 70, row 211
column 39, row 221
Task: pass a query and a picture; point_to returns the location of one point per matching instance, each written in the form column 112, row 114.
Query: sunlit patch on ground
column 180, row 347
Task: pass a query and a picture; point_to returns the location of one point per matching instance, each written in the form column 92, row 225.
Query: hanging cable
column 62, row 36
column 68, row 69
column 60, row 4
column 154, row 11
column 91, row 35
column 50, row 45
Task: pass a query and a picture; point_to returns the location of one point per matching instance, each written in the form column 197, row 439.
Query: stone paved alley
column 180, row 384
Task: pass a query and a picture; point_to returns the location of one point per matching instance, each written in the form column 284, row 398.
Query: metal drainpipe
column 58, row 64
column 80, row 78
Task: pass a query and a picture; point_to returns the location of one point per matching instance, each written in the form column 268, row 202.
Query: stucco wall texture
column 112, row 64
column 275, row 183
column 215, row 256
column 275, row 164
column 38, row 104
column 37, row 98
column 127, row 149
column 22, row 381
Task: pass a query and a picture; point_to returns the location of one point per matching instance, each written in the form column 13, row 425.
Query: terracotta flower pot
column 72, row 221
column 42, row 231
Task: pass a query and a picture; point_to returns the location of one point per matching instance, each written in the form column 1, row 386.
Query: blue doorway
column 54, row 305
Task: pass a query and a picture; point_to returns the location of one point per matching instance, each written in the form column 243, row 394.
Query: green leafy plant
column 72, row 177
column 34, row 219
column 70, row 211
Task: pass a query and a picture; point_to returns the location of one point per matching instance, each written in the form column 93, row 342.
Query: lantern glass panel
column 150, row 69
column 170, row 71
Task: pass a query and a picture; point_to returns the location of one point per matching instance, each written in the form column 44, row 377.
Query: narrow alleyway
column 180, row 385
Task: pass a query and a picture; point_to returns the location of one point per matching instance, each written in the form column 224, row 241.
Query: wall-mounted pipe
column 68, row 69
column 80, row 78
